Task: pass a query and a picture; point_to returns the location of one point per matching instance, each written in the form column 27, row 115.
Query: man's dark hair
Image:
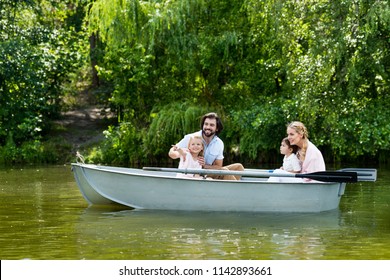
column 212, row 116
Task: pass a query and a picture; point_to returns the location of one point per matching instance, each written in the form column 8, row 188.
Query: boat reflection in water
column 150, row 234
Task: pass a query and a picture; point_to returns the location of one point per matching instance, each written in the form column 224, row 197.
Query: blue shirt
column 212, row 151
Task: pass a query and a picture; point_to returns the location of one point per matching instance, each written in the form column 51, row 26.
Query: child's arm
column 178, row 152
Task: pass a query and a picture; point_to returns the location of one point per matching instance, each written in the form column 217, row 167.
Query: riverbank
column 84, row 127
column 79, row 127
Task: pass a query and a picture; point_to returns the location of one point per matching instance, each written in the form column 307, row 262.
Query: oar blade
column 331, row 176
column 364, row 174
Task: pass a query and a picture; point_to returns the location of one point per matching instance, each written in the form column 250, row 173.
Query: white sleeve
column 296, row 164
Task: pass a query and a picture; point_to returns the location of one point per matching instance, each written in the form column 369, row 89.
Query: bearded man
column 211, row 126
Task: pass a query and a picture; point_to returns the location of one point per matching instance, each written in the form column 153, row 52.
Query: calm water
column 44, row 216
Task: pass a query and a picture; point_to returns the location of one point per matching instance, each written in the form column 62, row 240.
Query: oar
column 364, row 174
column 324, row 176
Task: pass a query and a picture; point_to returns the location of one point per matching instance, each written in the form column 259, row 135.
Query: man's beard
column 208, row 133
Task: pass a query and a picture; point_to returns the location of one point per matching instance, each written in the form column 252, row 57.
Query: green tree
column 40, row 45
column 260, row 64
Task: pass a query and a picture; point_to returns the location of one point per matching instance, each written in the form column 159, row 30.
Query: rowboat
column 162, row 189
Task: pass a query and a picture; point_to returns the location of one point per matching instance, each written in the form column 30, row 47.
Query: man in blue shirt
column 211, row 126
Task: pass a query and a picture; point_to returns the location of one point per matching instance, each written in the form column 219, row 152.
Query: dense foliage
column 40, row 45
column 260, row 64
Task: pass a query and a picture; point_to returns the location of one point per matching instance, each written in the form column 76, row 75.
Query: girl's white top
column 291, row 163
column 189, row 163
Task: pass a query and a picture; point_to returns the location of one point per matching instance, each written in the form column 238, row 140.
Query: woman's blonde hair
column 197, row 137
column 300, row 128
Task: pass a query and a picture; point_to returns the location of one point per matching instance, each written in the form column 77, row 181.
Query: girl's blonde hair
column 300, row 128
column 201, row 139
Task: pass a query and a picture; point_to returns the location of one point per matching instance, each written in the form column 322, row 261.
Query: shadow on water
column 206, row 219
column 146, row 234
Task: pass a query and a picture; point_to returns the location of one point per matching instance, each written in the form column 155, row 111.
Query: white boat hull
column 142, row 189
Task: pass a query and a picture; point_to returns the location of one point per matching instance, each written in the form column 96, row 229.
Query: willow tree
column 165, row 50
column 159, row 52
column 360, row 81
column 343, row 75
column 331, row 61
column 260, row 64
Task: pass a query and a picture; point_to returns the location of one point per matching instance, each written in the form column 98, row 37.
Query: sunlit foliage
column 39, row 47
column 261, row 63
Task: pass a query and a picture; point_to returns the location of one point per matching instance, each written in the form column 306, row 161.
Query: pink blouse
column 314, row 160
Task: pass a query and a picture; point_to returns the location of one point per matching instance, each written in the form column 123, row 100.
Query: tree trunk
column 92, row 51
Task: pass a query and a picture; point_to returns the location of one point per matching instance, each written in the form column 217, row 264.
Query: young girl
column 290, row 161
column 189, row 157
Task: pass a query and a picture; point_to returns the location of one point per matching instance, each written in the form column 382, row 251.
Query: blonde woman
column 309, row 155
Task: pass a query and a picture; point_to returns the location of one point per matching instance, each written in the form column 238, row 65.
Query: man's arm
column 217, row 164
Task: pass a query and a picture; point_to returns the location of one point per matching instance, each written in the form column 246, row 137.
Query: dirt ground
column 84, row 127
